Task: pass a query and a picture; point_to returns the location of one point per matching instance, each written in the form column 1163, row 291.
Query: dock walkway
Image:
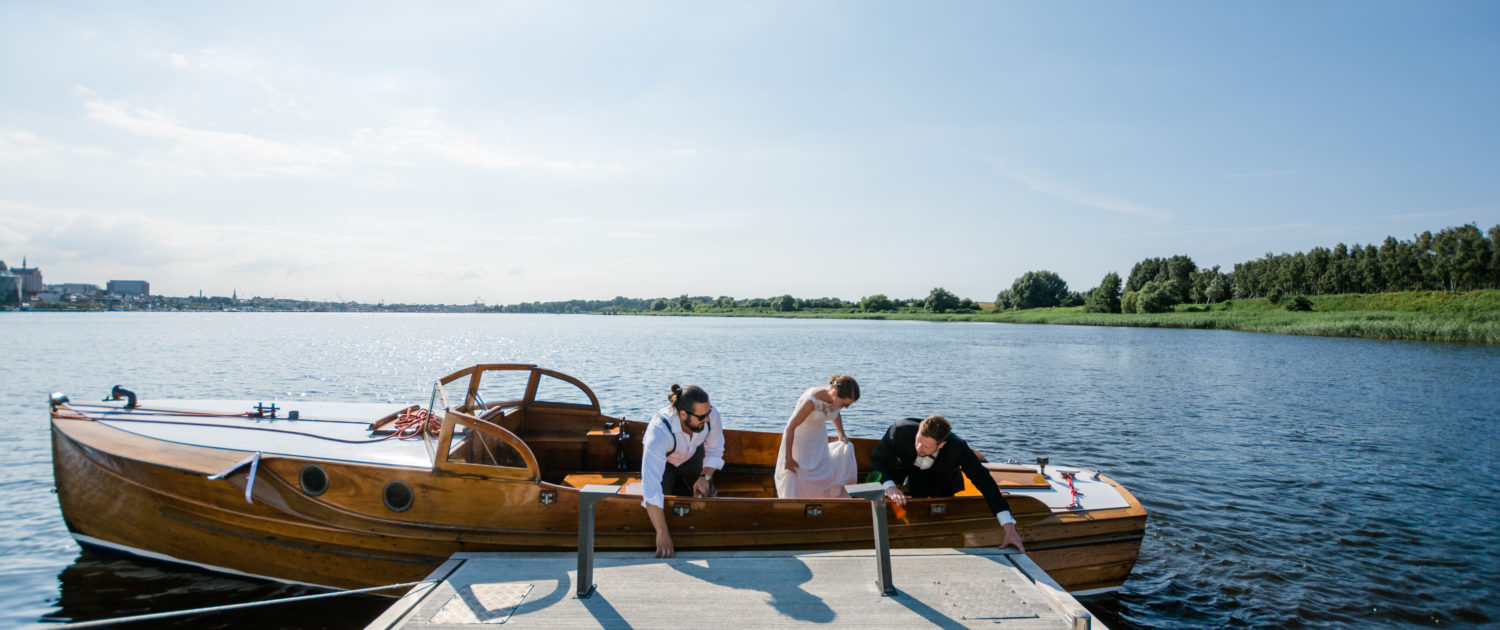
column 945, row 588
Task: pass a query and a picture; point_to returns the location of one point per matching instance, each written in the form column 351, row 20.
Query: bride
column 808, row 465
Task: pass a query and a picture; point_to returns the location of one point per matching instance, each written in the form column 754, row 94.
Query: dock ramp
column 944, row 588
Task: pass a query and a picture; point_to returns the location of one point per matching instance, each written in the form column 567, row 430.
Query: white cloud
column 411, row 139
column 1045, row 185
column 17, row 145
column 235, row 150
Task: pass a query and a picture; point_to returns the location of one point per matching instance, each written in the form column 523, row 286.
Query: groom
column 928, row 458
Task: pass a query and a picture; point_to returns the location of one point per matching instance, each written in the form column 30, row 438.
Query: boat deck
column 332, row 431
column 948, row 588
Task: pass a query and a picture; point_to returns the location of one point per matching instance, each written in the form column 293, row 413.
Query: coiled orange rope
column 412, row 422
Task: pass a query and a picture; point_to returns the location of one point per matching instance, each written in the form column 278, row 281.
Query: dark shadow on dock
column 787, row 596
column 937, row 619
column 598, row 605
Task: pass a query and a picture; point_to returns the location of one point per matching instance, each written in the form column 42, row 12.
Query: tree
column 1158, row 296
column 1218, row 290
column 1299, row 303
column 1039, row 289
column 784, row 304
column 940, row 301
column 1105, row 298
column 1128, row 301
column 1005, row 300
column 876, row 303
column 658, row 305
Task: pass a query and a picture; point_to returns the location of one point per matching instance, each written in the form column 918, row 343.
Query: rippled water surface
column 1291, row 481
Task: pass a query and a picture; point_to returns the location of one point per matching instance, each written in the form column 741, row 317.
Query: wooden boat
column 353, row 495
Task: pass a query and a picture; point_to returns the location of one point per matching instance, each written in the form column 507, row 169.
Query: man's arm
column 884, row 462
column 713, row 455
column 664, row 548
column 981, row 478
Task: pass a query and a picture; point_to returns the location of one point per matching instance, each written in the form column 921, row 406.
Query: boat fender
column 254, row 460
column 117, row 392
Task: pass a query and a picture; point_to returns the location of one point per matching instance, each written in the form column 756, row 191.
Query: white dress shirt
column 666, row 443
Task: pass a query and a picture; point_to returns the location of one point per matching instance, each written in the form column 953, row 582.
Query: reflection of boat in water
column 359, row 494
column 98, row 586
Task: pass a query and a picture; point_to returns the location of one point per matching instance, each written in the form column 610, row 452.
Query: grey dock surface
column 944, row 588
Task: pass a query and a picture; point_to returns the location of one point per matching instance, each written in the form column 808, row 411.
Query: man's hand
column 703, row 488
column 1012, row 539
column 896, row 496
column 664, row 547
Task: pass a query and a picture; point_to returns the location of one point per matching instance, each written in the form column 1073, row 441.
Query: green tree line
column 1462, row 258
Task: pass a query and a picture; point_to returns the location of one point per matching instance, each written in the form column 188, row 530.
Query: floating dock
column 946, row 588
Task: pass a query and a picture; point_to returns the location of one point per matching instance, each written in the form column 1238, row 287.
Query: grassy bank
column 1421, row 316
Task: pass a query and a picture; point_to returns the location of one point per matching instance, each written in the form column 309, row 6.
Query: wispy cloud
column 1044, row 184
column 16, row 145
column 1282, row 174
column 421, row 133
column 241, row 153
column 1223, row 230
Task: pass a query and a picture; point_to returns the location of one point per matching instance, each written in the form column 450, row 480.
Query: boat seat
column 727, row 485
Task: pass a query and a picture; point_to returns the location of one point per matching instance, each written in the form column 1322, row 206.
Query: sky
column 507, row 152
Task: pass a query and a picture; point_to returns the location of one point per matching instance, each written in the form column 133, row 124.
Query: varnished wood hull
column 145, row 496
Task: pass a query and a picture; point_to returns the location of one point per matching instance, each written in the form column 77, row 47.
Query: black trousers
column 928, row 483
column 679, row 480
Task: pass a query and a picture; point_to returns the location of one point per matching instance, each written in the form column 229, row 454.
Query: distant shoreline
column 1469, row 317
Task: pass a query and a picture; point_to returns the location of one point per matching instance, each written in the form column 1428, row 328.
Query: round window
column 314, row 480
column 398, row 495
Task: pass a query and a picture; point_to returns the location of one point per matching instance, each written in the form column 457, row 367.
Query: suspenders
column 707, row 426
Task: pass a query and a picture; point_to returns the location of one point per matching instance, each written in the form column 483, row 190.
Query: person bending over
column 931, row 461
column 683, row 448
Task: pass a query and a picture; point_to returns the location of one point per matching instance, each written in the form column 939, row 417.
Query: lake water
column 1291, row 481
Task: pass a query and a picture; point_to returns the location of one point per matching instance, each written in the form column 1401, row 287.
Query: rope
column 194, row 611
column 408, row 426
column 412, row 422
column 1069, row 476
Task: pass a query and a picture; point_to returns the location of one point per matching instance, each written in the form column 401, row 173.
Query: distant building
column 31, row 280
column 10, row 288
column 129, row 287
column 78, row 289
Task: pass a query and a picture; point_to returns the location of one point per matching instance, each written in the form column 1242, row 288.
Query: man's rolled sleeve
column 713, row 446
column 653, row 465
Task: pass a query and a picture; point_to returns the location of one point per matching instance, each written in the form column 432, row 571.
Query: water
column 1292, row 481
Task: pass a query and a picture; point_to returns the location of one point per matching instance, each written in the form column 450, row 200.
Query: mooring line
column 194, row 611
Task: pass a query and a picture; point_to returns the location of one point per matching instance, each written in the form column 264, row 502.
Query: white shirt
column 666, row 443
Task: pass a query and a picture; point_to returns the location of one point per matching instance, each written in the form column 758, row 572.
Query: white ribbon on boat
column 254, row 460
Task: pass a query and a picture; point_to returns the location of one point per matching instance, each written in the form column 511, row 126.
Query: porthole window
column 314, row 480
column 397, row 495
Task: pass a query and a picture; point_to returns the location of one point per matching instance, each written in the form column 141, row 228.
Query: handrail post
column 587, row 497
column 875, row 494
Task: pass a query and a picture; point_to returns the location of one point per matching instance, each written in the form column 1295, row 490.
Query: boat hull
column 134, row 494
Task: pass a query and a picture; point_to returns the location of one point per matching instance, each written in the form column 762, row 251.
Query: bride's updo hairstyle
column 845, row 386
column 683, row 398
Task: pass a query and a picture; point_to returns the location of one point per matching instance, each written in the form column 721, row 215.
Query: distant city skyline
column 517, row 152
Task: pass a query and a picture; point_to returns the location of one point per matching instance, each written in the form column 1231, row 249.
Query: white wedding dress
column 823, row 467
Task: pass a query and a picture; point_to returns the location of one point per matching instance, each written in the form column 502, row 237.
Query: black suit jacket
column 895, row 459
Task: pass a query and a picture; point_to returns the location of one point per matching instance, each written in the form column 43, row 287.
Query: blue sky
column 553, row 150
